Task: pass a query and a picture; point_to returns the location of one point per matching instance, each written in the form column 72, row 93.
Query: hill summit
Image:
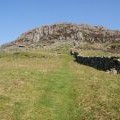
column 66, row 32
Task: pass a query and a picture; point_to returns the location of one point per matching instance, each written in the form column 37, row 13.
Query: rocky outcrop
column 48, row 35
column 108, row 64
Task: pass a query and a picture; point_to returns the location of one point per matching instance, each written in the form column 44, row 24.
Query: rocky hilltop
column 51, row 34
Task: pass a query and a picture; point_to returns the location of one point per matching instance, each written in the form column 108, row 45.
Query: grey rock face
column 48, row 35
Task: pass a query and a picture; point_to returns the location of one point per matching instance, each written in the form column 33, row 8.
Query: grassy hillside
column 49, row 85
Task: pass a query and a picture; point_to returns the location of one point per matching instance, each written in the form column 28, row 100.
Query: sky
column 19, row 16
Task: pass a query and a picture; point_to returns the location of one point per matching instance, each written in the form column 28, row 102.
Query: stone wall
column 108, row 64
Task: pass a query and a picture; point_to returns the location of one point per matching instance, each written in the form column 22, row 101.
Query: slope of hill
column 45, row 85
column 48, row 84
column 57, row 33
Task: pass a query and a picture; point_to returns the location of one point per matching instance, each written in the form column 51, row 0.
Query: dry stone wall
column 108, row 64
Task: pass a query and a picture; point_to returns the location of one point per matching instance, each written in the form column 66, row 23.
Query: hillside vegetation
column 52, row 35
column 50, row 85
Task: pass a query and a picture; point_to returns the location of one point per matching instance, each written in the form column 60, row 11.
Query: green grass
column 44, row 85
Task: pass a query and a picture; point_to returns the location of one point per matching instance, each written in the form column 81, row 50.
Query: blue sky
column 18, row 16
